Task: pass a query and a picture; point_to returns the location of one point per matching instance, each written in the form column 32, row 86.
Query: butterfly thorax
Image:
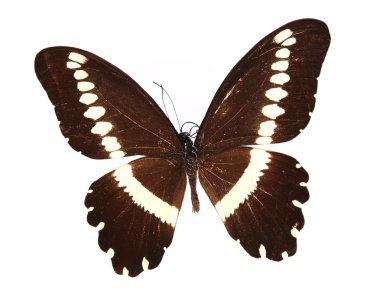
column 189, row 152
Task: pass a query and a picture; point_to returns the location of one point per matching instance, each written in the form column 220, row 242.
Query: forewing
column 269, row 95
column 102, row 111
column 257, row 194
column 135, row 209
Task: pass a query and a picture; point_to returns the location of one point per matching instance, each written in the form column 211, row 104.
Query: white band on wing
column 144, row 198
column 245, row 186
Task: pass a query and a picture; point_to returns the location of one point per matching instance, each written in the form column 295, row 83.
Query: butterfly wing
column 135, row 208
column 266, row 98
column 105, row 114
column 257, row 194
column 102, row 111
column 269, row 95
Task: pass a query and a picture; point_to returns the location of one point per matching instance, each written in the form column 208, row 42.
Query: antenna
column 163, row 102
column 191, row 128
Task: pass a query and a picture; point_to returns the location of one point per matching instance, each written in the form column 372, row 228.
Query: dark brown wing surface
column 269, row 95
column 135, row 209
column 102, row 111
column 257, row 194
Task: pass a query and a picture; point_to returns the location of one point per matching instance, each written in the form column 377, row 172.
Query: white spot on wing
column 263, row 140
column 125, row 271
column 100, row 226
column 110, row 252
column 262, row 250
column 276, row 94
column 101, row 128
column 296, row 203
column 94, row 112
column 85, row 86
column 283, row 35
column 298, row 166
column 281, row 65
column 78, row 57
column 90, row 191
column 144, row 198
column 282, row 53
column 90, row 209
column 294, row 232
column 80, row 74
column 88, row 98
column 145, row 264
column 72, row 65
column 117, row 154
column 246, row 185
column 110, row 143
column 267, row 128
column 303, row 184
column 272, row 111
column 289, row 42
column 280, row 78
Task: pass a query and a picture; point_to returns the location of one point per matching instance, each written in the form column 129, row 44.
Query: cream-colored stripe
column 144, row 198
column 246, row 185
column 110, row 143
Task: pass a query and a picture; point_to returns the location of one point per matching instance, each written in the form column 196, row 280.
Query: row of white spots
column 246, row 184
column 144, row 198
column 101, row 128
column 263, row 251
column 276, row 94
column 294, row 231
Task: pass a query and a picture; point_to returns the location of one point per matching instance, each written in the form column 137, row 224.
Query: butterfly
column 266, row 98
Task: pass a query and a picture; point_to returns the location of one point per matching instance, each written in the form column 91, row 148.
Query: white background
column 47, row 249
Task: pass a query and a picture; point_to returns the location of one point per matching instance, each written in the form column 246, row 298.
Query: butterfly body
column 190, row 154
column 267, row 98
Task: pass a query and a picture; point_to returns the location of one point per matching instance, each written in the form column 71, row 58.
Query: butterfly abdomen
column 189, row 152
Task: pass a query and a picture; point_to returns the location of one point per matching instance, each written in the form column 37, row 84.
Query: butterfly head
column 185, row 139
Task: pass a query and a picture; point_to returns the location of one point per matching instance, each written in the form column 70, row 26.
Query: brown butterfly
column 266, row 98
